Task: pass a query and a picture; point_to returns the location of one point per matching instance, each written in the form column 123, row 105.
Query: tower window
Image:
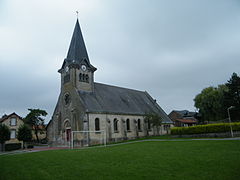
column 66, row 78
column 67, row 99
column 97, row 124
column 80, row 77
column 83, row 78
column 87, row 78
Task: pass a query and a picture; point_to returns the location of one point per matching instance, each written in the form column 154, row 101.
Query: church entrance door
column 68, row 133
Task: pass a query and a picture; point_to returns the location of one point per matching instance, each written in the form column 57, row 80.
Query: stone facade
column 13, row 121
column 134, row 130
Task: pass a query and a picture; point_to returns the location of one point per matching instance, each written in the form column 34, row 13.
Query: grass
column 164, row 137
column 145, row 160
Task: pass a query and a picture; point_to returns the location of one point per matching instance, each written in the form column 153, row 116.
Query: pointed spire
column 77, row 49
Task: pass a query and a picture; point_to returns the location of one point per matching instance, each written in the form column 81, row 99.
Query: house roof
column 118, row 100
column 187, row 120
column 8, row 116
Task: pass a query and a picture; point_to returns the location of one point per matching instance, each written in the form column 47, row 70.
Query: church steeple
column 77, row 50
column 77, row 70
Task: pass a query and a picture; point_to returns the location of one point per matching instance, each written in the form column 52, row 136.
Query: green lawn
column 143, row 160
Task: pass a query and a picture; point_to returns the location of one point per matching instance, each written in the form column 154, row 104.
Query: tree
column 24, row 134
column 153, row 119
column 35, row 119
column 232, row 96
column 4, row 135
column 210, row 103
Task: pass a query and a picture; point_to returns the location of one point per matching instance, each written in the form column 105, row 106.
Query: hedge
column 12, row 146
column 202, row 129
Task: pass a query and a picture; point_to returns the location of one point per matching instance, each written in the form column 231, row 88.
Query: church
column 86, row 105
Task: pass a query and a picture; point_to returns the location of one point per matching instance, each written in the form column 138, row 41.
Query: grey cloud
column 172, row 49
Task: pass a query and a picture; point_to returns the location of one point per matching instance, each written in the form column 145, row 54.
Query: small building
column 185, row 122
column 13, row 121
column 183, row 118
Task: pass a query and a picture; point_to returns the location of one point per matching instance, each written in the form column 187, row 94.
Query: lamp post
column 229, row 117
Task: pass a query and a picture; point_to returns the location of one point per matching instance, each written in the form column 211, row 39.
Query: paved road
column 47, row 148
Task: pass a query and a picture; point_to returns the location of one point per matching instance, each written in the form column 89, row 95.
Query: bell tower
column 77, row 70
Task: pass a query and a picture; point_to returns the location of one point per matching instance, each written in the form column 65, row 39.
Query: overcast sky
column 170, row 48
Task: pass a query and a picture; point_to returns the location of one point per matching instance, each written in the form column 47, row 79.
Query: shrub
column 202, row 129
column 24, row 134
column 4, row 133
column 30, row 146
column 12, row 146
column 44, row 141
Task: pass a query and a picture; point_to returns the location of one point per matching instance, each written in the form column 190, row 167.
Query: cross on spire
column 77, row 14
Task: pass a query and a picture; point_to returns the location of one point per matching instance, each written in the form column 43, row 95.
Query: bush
column 44, row 141
column 202, row 129
column 30, row 146
column 24, row 133
column 12, row 146
column 4, row 133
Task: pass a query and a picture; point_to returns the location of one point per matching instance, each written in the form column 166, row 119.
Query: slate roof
column 187, row 121
column 186, row 113
column 77, row 49
column 117, row 100
column 77, row 52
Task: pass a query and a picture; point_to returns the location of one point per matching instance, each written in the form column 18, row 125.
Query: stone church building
column 85, row 105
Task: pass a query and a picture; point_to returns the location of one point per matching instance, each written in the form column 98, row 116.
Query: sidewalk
column 35, row 149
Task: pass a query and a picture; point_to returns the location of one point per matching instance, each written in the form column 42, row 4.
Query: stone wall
column 107, row 124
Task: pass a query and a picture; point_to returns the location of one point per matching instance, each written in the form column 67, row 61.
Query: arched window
column 139, row 124
column 97, row 124
column 87, row 78
column 115, row 125
column 149, row 124
column 66, row 124
column 67, row 99
column 83, row 78
column 80, row 77
column 128, row 124
column 67, row 129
